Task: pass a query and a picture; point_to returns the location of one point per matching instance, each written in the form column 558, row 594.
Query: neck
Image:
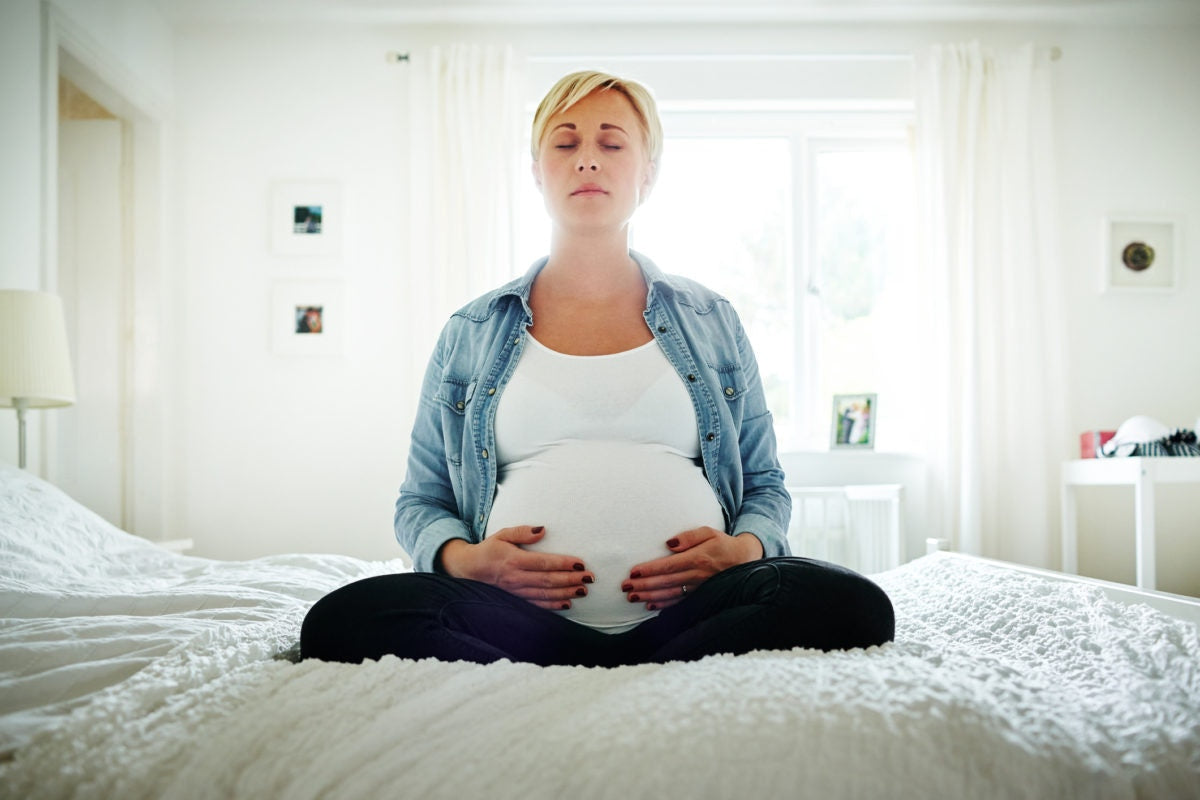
column 603, row 260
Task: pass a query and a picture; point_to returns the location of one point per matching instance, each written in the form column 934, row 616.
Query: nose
column 587, row 161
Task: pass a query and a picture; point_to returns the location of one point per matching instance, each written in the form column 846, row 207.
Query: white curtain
column 466, row 110
column 996, row 402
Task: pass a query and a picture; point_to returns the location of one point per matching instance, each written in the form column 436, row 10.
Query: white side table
column 1140, row 473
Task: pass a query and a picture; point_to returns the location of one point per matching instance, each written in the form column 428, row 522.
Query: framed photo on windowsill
column 306, row 218
column 308, row 318
column 853, row 424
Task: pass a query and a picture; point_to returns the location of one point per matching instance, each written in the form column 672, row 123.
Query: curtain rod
column 395, row 57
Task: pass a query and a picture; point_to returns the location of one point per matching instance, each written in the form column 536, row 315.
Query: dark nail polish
column 633, row 598
column 635, row 574
column 651, row 607
column 673, row 543
column 565, row 606
column 539, row 529
column 627, row 587
column 578, row 567
column 588, row 579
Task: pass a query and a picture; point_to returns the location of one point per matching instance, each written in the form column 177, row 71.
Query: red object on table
column 1091, row 442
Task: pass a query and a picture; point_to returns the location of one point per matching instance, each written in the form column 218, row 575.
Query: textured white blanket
column 1000, row 684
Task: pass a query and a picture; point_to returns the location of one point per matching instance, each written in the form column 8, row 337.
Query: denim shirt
column 452, row 467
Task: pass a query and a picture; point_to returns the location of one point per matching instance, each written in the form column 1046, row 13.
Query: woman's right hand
column 545, row 579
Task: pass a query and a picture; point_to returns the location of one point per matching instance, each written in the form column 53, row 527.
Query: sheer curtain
column 466, row 107
column 996, row 407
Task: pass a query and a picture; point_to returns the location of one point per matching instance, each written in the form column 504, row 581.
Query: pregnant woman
column 592, row 476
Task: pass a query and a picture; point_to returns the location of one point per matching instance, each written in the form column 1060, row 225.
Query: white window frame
column 810, row 130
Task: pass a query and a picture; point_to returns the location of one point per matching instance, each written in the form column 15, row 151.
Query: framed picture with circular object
column 1140, row 253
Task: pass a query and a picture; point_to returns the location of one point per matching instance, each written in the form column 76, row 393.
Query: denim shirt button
column 711, row 436
column 729, row 391
column 662, row 328
column 692, row 378
column 485, row 453
column 460, row 405
column 491, row 391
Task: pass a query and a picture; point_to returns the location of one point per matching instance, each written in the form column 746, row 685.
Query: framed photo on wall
column 306, row 218
column 1140, row 253
column 853, row 424
column 308, row 318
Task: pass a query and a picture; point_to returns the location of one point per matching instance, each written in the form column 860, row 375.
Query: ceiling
column 524, row 12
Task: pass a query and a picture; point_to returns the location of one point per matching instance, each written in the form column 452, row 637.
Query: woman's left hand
column 696, row 556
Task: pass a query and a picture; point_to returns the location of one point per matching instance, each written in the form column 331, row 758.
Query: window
column 804, row 221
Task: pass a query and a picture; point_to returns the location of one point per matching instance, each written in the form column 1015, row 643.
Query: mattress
column 128, row 671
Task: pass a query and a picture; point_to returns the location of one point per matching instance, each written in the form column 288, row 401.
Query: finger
column 521, row 534
column 667, row 565
column 667, row 593
column 537, row 579
column 551, row 594
column 690, row 538
column 552, row 605
column 661, row 604
column 550, row 562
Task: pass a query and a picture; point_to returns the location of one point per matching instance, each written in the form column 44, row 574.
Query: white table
column 1140, row 473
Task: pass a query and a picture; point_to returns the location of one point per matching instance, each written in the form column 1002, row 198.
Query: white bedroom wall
column 277, row 453
column 1129, row 123
column 20, row 170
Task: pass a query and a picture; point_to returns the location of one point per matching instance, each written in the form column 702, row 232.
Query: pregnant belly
column 611, row 505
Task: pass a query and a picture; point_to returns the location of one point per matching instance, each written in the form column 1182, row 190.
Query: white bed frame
column 1175, row 605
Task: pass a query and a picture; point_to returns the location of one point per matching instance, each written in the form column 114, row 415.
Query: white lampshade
column 35, row 363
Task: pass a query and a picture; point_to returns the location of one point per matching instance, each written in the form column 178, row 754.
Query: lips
column 588, row 189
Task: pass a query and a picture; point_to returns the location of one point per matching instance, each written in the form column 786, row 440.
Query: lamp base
column 20, row 403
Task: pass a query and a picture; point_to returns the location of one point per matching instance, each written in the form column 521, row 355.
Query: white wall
column 20, row 171
column 287, row 453
column 1129, row 124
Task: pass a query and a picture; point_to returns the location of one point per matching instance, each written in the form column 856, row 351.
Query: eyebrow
column 604, row 126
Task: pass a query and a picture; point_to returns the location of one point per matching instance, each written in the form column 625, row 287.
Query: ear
column 648, row 180
column 536, row 169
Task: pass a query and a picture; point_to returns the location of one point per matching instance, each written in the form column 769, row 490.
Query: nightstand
column 1140, row 473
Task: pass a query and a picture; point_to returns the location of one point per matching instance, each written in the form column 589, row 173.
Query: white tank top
column 604, row 452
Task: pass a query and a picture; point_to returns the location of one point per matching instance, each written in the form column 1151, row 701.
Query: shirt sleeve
column 427, row 513
column 766, row 504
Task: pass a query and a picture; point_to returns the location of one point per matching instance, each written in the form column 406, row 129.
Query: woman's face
column 592, row 166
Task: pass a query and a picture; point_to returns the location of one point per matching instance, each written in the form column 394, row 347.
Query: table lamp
column 35, row 364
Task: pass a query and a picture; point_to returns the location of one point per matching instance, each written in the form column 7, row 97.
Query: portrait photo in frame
column 1140, row 253
column 308, row 318
column 853, row 424
column 306, row 218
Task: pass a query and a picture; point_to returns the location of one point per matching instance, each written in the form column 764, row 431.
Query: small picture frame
column 1140, row 254
column 853, row 424
column 306, row 218
column 308, row 318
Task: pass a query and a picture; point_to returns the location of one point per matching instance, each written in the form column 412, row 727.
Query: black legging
column 771, row 604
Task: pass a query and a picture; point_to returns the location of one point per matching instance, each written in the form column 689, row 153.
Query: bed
column 129, row 671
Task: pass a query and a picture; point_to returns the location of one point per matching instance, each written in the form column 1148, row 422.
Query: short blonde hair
column 574, row 87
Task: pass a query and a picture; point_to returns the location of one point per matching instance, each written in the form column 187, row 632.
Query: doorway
column 105, row 242
column 91, row 454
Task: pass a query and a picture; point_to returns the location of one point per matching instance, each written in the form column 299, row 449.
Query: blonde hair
column 574, row 87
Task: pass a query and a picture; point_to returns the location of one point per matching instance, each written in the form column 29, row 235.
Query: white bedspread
column 1000, row 684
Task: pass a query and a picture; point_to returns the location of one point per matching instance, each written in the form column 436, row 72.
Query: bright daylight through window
column 806, row 225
